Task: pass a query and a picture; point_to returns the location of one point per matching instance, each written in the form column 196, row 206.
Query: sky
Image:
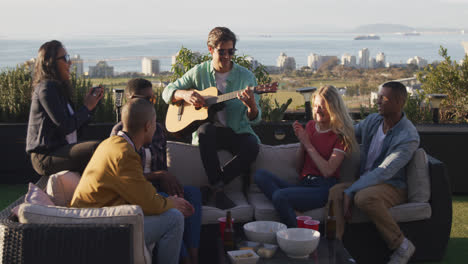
column 56, row 18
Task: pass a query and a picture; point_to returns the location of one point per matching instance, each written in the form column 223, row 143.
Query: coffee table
column 328, row 252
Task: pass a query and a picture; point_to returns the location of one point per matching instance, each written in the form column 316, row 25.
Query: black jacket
column 50, row 120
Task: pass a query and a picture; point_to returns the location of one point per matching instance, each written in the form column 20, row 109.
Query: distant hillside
column 383, row 28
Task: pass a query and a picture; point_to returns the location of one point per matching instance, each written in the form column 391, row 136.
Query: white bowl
column 298, row 242
column 243, row 256
column 263, row 231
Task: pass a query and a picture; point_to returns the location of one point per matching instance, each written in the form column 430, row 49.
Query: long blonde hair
column 340, row 121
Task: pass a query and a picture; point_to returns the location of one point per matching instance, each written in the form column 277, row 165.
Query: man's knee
column 207, row 129
column 365, row 199
column 177, row 218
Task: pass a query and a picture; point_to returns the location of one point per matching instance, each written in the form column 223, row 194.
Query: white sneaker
column 402, row 255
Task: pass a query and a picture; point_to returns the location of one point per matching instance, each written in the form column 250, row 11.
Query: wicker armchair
column 62, row 243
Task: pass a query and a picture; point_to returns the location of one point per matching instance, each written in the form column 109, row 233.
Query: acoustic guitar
column 183, row 117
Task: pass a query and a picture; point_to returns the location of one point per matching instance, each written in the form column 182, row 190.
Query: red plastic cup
column 301, row 219
column 312, row 224
column 222, row 225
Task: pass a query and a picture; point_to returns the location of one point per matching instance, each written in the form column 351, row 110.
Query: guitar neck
column 223, row 97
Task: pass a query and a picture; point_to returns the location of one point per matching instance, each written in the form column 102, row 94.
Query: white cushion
column 406, row 212
column 184, row 162
column 35, row 195
column 123, row 214
column 61, row 187
column 417, row 175
column 280, row 160
column 242, row 212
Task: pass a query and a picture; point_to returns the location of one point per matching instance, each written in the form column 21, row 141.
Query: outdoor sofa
column 425, row 219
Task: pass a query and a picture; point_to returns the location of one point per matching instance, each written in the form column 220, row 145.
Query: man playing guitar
column 230, row 129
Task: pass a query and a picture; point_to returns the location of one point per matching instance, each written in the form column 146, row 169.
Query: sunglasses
column 221, row 52
column 151, row 99
column 65, row 57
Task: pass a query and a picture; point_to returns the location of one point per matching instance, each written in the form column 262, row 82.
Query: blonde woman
column 324, row 143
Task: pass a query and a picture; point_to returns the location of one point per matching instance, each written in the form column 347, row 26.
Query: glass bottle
column 228, row 233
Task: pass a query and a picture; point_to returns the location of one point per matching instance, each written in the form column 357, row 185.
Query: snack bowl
column 243, row 256
column 248, row 245
column 298, row 242
column 263, row 231
column 267, row 250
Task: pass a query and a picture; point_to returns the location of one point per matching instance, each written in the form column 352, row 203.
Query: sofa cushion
column 417, row 174
column 123, row 214
column 242, row 212
column 61, row 187
column 279, row 160
column 406, row 212
column 184, row 162
column 265, row 211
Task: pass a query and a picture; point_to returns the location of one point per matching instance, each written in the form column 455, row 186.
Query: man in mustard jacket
column 114, row 176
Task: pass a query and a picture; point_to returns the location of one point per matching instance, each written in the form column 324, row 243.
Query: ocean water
column 125, row 52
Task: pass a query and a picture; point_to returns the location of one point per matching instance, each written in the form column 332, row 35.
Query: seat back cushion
column 417, row 176
column 122, row 214
column 61, row 187
column 349, row 170
column 184, row 162
column 280, row 160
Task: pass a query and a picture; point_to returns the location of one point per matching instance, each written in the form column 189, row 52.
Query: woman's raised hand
column 93, row 97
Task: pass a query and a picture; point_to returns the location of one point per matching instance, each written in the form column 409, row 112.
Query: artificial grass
column 457, row 250
column 10, row 193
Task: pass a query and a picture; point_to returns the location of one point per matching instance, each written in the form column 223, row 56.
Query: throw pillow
column 35, row 195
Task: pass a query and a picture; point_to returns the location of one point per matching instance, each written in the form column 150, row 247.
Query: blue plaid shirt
column 157, row 148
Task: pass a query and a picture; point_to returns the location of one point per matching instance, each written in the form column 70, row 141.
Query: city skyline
column 55, row 18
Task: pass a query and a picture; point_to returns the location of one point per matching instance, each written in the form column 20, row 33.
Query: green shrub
column 451, row 78
column 416, row 110
column 15, row 94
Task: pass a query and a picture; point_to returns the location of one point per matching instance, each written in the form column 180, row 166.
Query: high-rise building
column 101, row 70
column 372, row 63
column 465, row 46
column 348, row 60
column 77, row 65
column 286, row 63
column 364, row 56
column 380, row 60
column 314, row 61
column 418, row 61
column 149, row 66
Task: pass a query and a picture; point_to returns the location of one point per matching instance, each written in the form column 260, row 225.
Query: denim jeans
column 192, row 224
column 166, row 231
column 307, row 195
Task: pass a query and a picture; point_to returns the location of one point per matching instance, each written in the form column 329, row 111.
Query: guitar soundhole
column 197, row 108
